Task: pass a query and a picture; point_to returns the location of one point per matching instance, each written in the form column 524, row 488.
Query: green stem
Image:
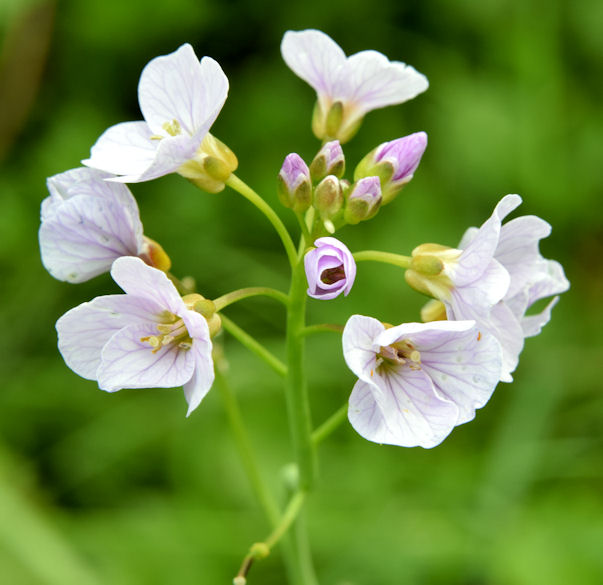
column 254, row 346
column 235, row 419
column 298, row 407
column 322, row 328
column 252, row 291
column 385, row 257
column 240, row 187
column 327, row 427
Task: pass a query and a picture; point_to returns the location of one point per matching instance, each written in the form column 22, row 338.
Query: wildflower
column 330, row 269
column 347, row 87
column 88, row 222
column 417, row 381
column 294, row 184
column 148, row 337
column 394, row 163
column 180, row 98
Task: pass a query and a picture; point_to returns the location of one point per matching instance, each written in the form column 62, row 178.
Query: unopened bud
column 328, row 197
column 294, row 185
column 329, row 161
column 394, row 163
column 363, row 200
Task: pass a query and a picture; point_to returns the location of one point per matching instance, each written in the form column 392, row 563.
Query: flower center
column 398, row 354
column 173, row 128
column 172, row 331
column 331, row 275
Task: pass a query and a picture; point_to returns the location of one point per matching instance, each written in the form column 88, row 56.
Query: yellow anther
column 173, row 128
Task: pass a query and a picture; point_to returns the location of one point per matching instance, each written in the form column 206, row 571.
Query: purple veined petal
column 480, row 251
column 404, row 411
column 372, row 81
column 505, row 326
column 85, row 235
column 359, row 346
column 129, row 362
column 551, row 281
column 532, row 324
column 179, row 87
column 140, row 280
column 124, row 149
column 84, row 330
column 313, row 56
column 203, row 378
column 467, row 238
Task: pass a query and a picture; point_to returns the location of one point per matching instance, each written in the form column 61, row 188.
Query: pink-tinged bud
column 294, row 185
column 329, row 161
column 363, row 200
column 330, row 269
column 394, row 163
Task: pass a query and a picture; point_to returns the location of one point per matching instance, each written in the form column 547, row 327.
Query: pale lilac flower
column 330, row 269
column 347, row 87
column 88, row 222
column 417, row 381
column 148, row 337
column 180, row 98
column 394, row 163
column 294, row 183
column 363, row 200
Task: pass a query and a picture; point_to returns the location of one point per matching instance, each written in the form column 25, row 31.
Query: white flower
column 347, row 87
column 180, row 98
column 417, row 381
column 148, row 337
column 87, row 223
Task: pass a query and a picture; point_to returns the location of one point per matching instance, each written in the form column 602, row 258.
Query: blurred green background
column 121, row 489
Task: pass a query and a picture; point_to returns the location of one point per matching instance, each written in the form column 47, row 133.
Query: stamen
column 173, row 128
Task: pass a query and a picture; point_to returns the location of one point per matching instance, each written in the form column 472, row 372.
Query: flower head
column 148, row 337
column 88, row 222
column 347, row 87
column 180, row 98
column 417, row 381
column 330, row 269
column 394, row 163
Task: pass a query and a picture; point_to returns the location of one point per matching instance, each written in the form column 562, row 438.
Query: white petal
column 129, row 362
column 124, row 149
column 404, row 411
column 504, row 325
column 85, row 235
column 359, row 347
column 551, row 281
column 178, row 87
column 532, row 324
column 313, row 56
column 203, row 378
column 140, row 280
column 84, row 330
column 371, row 81
column 480, row 251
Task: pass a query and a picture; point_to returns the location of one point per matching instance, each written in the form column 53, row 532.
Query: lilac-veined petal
column 140, row 280
column 504, row 325
column 129, row 362
column 203, row 378
column 313, row 56
column 551, row 281
column 85, row 235
column 359, row 346
column 124, row 149
column 405, row 410
column 532, row 324
column 84, row 330
column 179, row 87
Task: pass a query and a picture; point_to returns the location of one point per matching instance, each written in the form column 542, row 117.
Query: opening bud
column 363, row 200
column 329, row 161
column 394, row 163
column 330, row 269
column 213, row 163
column 328, row 197
column 294, row 184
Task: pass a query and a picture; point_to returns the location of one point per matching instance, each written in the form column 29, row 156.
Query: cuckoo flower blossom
column 148, row 337
column 87, row 223
column 347, row 87
column 417, row 381
column 180, row 97
column 330, row 269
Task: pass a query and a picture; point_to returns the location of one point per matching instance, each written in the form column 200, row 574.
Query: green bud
column 328, row 197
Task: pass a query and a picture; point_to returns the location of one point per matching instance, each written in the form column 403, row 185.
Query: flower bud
column 328, row 197
column 328, row 161
column 211, row 166
column 294, row 185
column 394, row 163
column 330, row 269
column 363, row 200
